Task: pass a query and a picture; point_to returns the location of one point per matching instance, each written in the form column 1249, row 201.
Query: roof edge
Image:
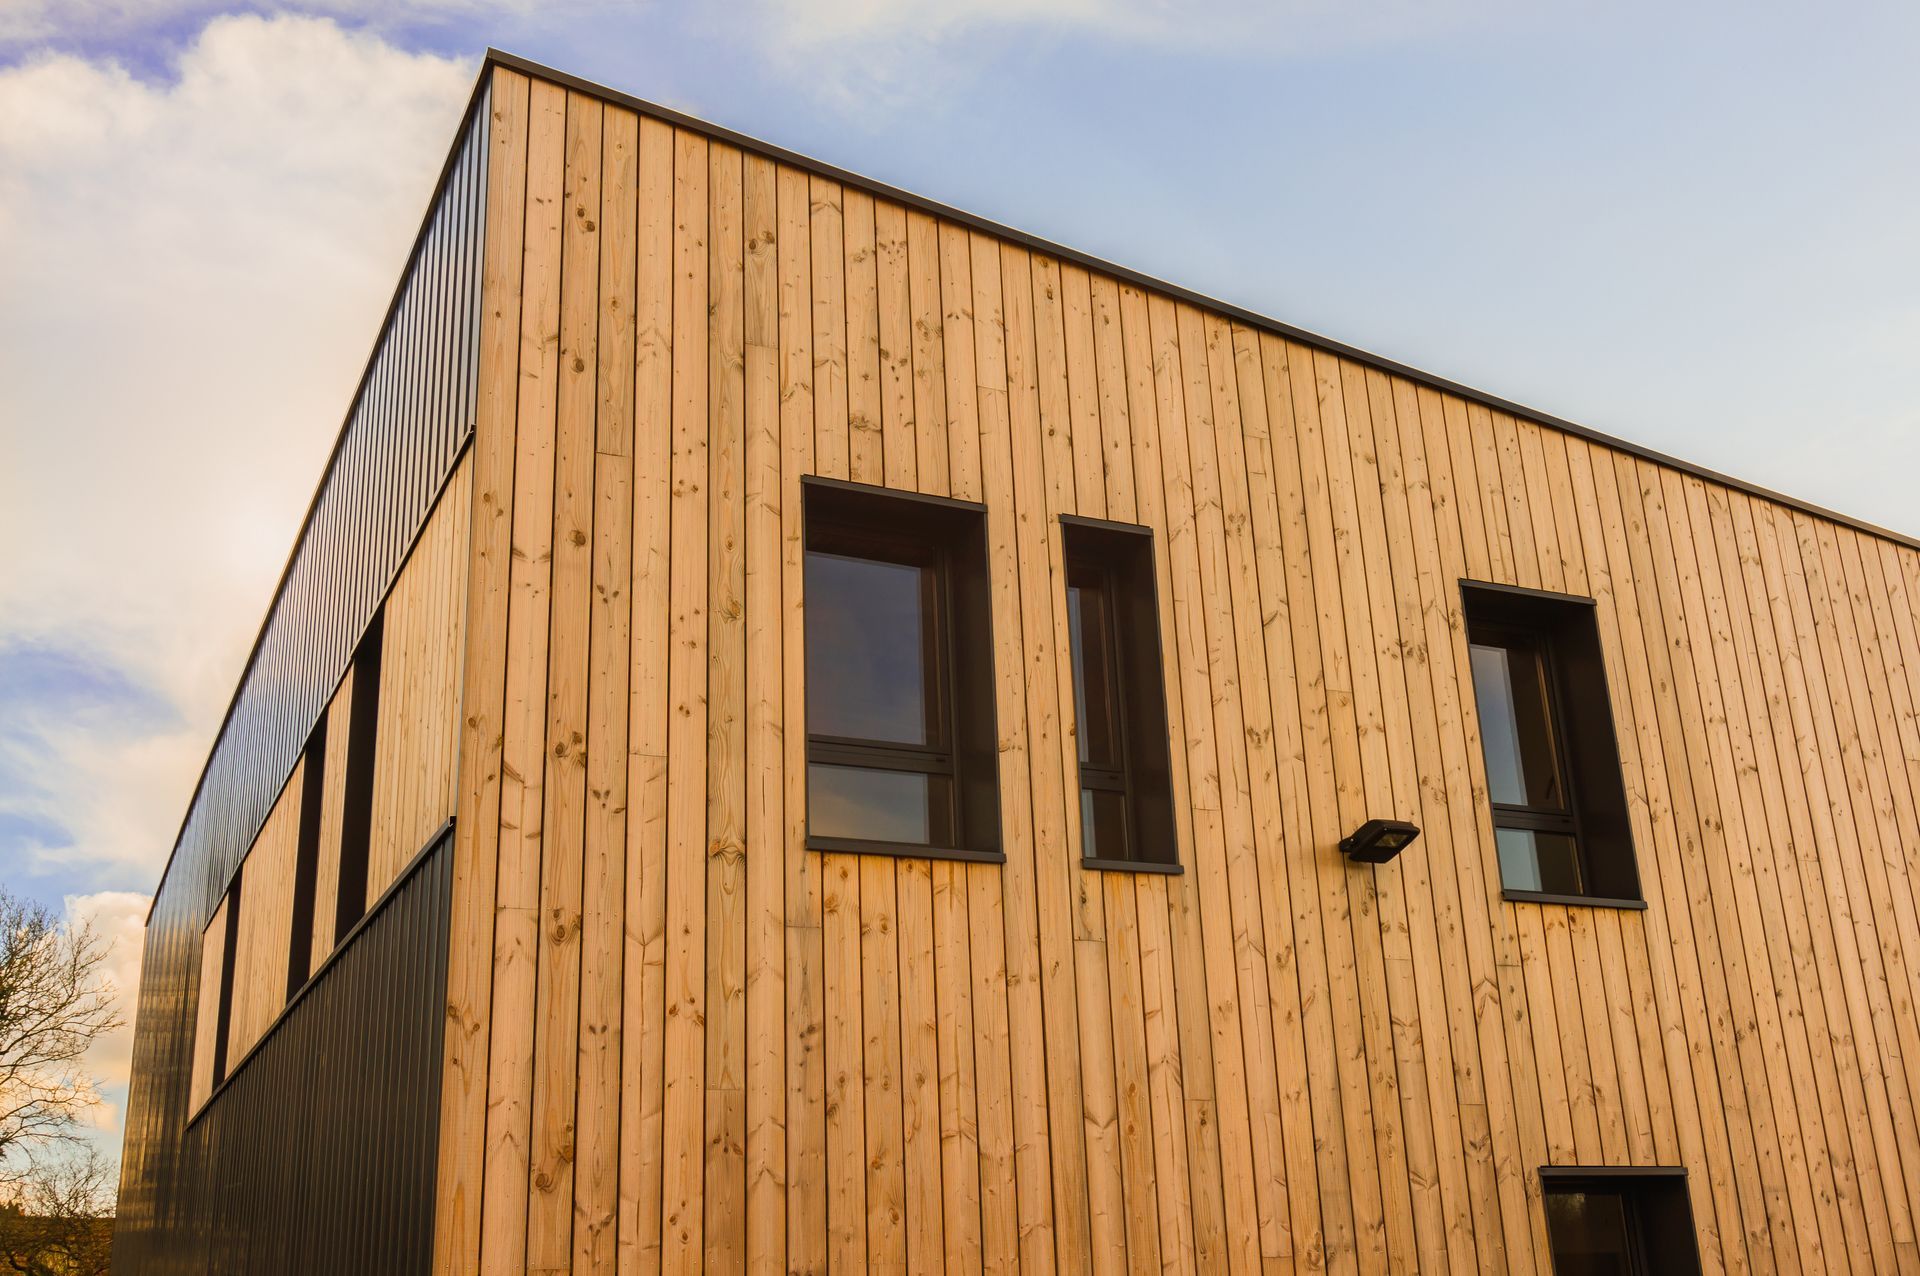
column 527, row 66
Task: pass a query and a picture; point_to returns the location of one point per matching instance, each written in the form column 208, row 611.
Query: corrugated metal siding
column 410, row 418
column 318, row 1154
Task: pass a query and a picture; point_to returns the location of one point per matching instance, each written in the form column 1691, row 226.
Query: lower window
column 1619, row 1222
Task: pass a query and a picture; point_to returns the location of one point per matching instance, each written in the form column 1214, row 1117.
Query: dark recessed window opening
column 306, row 864
column 1546, row 733
column 356, row 816
column 229, row 942
column 1607, row 1222
column 1119, row 701
column 900, row 738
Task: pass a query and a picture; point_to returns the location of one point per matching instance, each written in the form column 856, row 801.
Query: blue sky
column 1691, row 226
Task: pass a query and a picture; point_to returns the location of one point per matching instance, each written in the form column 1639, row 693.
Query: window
column 356, row 818
column 1119, row 698
column 307, row 858
column 901, row 750
column 1613, row 1222
column 1546, row 730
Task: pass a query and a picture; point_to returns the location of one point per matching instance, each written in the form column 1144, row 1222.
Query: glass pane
column 881, row 806
column 1531, row 860
column 1103, row 825
column 1516, row 732
column 867, row 667
column 1588, row 1232
column 1093, row 682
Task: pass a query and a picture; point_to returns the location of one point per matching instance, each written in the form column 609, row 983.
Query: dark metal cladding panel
column 411, row 415
column 318, row 1154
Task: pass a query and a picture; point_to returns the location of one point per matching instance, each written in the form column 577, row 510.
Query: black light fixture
column 1378, row 841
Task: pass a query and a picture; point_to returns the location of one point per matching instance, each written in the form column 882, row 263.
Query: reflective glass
column 1531, row 860
column 1516, row 731
column 867, row 667
column 1103, row 825
column 877, row 805
column 1588, row 1232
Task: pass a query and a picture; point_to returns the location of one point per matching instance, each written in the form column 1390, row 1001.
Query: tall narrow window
column 1546, row 734
column 1617, row 1222
column 1119, row 706
column 356, row 816
column 306, row 864
column 900, row 741
column 229, row 943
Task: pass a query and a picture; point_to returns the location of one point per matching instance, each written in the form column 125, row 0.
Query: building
column 565, row 894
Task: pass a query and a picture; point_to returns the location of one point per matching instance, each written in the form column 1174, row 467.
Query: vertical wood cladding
column 679, row 1040
column 409, row 419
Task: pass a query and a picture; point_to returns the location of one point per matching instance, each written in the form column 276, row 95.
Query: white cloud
column 191, row 273
column 119, row 919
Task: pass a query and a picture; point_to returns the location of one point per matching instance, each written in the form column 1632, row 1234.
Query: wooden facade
column 677, row 1039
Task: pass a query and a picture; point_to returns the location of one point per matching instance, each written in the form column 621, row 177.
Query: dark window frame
column 934, row 533
column 1562, row 630
column 1658, row 1211
column 1120, row 557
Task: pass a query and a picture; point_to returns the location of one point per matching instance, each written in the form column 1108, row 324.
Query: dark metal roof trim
column 527, row 66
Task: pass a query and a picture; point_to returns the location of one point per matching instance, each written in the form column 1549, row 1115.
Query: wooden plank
column 900, row 459
column 266, row 922
column 1222, row 1169
column 880, row 1054
column 1467, row 967
column 1468, row 548
column 206, row 1017
column 464, row 1086
column 916, row 1033
column 806, row 1089
column 1381, row 694
column 726, row 790
column 683, row 1238
column 1192, row 1212
column 516, row 925
column 563, row 819
column 1263, row 938
column 1014, row 903
column 1430, row 885
column 1053, row 825
column 928, row 356
column 949, row 1025
column 865, row 442
column 764, row 685
column 1843, row 979
column 985, row 1166
column 596, row 1201
column 643, row 954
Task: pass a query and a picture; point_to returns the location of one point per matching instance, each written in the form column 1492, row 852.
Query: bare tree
column 53, row 1003
column 60, row 1220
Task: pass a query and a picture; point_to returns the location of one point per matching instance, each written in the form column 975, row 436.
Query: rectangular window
column 306, row 864
column 229, row 944
column 1617, row 1222
column 1546, row 734
column 1119, row 701
column 901, row 753
column 356, row 816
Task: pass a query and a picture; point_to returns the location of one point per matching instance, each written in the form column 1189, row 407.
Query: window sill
column 1575, row 901
column 1131, row 866
column 898, row 850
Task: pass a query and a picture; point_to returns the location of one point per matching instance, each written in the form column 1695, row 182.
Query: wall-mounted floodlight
column 1378, row 841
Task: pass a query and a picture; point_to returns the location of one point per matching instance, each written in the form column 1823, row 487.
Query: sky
column 1688, row 225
